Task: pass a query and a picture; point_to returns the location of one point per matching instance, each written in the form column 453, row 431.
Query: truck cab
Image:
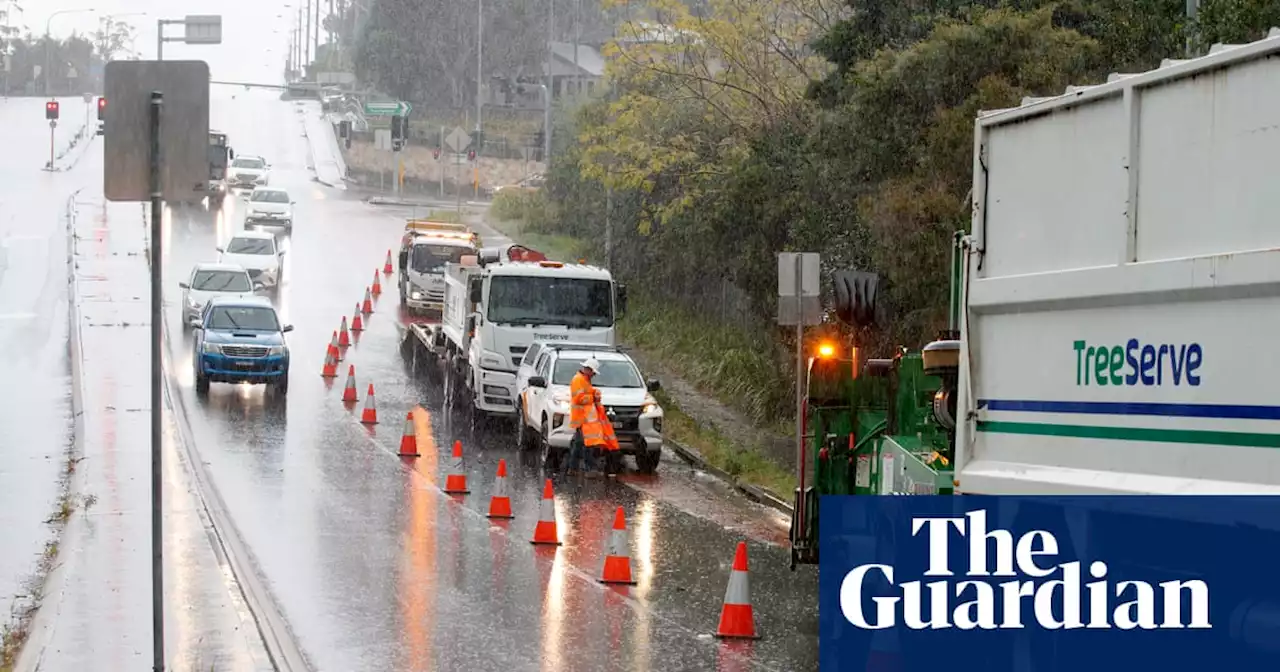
column 220, row 155
column 495, row 310
column 425, row 249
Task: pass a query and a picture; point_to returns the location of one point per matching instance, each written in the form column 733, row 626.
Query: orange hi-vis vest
column 583, row 413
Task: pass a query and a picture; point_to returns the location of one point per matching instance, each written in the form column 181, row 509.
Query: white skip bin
column 1122, row 288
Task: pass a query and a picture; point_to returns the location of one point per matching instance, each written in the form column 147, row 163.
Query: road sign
column 799, row 283
column 382, row 139
column 458, row 139
column 203, row 29
column 387, row 108
column 184, row 130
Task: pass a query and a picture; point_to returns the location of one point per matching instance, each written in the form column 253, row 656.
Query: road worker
column 585, row 417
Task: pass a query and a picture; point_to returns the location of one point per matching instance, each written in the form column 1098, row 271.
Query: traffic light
column 471, row 155
column 435, row 153
column 102, row 106
column 51, row 110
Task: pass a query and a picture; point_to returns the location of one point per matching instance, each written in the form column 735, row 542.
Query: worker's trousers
column 578, row 453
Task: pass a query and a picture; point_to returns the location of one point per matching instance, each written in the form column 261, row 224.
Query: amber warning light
column 826, row 350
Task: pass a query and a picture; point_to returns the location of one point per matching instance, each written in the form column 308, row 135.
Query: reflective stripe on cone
column 500, row 503
column 456, row 482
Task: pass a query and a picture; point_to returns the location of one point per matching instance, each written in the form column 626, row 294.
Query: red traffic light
column 471, row 155
column 51, row 110
column 102, row 104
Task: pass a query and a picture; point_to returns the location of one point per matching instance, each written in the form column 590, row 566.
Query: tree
column 111, row 38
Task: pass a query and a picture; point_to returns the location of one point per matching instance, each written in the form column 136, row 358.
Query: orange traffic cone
column 456, row 482
column 368, row 302
column 617, row 561
column 344, row 338
column 333, row 348
column 377, row 285
column 357, row 324
column 386, row 268
column 500, row 503
column 736, row 618
column 409, row 441
column 349, row 392
column 370, row 414
column 330, row 369
column 545, row 532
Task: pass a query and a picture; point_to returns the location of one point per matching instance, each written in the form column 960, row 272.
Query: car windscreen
column 246, row 318
column 270, row 196
column 250, row 246
column 251, row 164
column 572, row 302
column 432, row 258
column 613, row 373
column 221, row 281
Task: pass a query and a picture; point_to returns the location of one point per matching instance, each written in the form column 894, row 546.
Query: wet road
column 371, row 564
column 34, row 400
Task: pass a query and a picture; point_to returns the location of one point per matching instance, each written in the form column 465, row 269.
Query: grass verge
column 745, row 463
column 713, row 357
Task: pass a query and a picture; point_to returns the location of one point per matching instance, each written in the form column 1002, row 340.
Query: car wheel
column 647, row 461
column 524, row 436
column 202, row 384
column 551, row 456
column 281, row 386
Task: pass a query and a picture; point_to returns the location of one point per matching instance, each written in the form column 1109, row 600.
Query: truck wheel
column 647, row 461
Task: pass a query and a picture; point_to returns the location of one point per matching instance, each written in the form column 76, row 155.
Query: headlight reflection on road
column 418, row 575
column 645, row 513
column 553, row 611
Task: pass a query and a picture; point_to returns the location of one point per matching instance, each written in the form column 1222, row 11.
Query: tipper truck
column 1121, row 271
column 500, row 301
column 425, row 249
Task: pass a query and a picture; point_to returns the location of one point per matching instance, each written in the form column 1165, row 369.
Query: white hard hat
column 593, row 364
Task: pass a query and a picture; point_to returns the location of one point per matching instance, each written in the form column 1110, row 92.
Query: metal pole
column 317, row 36
column 608, row 225
column 306, row 55
column 479, row 63
column 52, row 125
column 1193, row 8
column 800, row 531
column 442, row 148
column 159, row 39
column 301, row 39
column 546, row 121
column 157, row 291
column 546, row 126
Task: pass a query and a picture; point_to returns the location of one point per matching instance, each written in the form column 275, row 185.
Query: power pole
column 306, row 56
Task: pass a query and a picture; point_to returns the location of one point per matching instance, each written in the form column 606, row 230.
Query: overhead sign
column 458, row 139
column 388, row 108
column 184, row 130
column 203, row 29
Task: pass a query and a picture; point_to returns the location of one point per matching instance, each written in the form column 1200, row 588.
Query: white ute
column 269, row 206
column 247, row 172
column 543, row 421
column 1122, row 289
column 258, row 254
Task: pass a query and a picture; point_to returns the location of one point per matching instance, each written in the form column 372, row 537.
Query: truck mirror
column 654, row 385
column 622, row 299
column 231, row 153
column 471, row 323
column 538, row 382
column 475, row 290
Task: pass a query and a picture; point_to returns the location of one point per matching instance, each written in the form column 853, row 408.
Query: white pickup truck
column 1122, row 292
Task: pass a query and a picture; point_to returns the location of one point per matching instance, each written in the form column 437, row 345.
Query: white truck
column 425, row 249
column 495, row 307
column 1122, row 286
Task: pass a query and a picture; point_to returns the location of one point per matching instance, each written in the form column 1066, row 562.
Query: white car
column 542, row 417
column 211, row 281
column 258, row 253
column 247, row 172
column 269, row 206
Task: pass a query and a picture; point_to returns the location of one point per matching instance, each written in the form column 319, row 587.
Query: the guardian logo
column 1055, row 595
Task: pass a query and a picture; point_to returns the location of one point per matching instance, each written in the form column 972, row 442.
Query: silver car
column 210, row 281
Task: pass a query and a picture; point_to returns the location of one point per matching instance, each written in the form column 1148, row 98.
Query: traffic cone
column 357, row 324
column 344, row 338
column 368, row 302
column 409, row 441
column 386, row 268
column 736, row 618
column 500, row 503
column 370, row 414
column 617, row 561
column 456, row 482
column 545, row 532
column 377, row 285
column 349, row 392
column 333, row 348
column 330, row 369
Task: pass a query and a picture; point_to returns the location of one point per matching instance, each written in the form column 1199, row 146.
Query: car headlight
column 415, row 295
column 649, row 408
column 192, row 303
column 561, row 402
column 212, row 349
column 275, row 350
column 492, row 360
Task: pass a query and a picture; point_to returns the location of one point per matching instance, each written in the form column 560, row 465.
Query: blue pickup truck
column 241, row 340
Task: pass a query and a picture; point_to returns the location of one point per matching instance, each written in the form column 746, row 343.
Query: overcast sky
column 250, row 51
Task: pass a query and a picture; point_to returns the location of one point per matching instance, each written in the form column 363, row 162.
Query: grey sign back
column 184, row 130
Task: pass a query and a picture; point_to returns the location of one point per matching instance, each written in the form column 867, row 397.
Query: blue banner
column 1049, row 584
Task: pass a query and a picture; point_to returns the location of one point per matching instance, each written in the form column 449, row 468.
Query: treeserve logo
column 1137, row 363
column 1007, row 581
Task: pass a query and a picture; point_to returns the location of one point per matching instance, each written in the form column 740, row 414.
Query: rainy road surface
column 372, row 566
column 34, row 399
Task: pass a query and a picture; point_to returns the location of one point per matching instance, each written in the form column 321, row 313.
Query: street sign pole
column 52, row 125
column 798, row 277
column 442, row 167
column 157, row 321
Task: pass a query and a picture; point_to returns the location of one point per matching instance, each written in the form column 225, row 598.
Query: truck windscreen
column 432, row 258
column 573, row 302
